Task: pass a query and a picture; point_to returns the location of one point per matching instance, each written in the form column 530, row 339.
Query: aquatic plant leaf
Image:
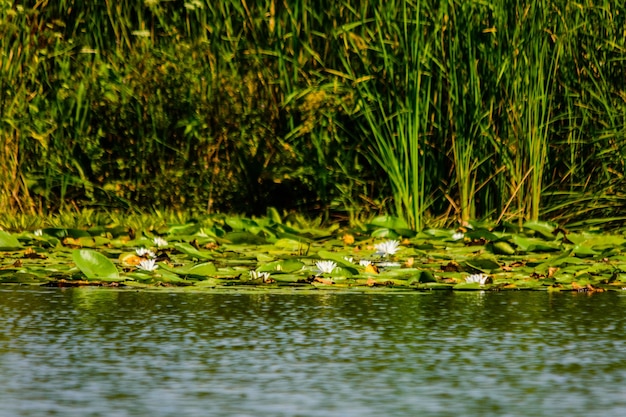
column 189, row 250
column 384, row 232
column 239, row 223
column 434, row 233
column 343, row 272
column 60, row 233
column 183, row 229
column 168, row 277
column 557, row 261
column 527, row 244
column 484, row 264
column 94, row 265
column 426, row 276
column 582, row 251
column 338, row 257
column 287, row 266
column 203, row 269
column 289, row 244
column 248, row 238
column 502, row 248
column 9, row 242
column 481, row 234
column 545, row 229
column 388, row 222
column 273, row 216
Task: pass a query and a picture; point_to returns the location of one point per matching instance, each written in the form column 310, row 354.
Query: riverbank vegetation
column 436, row 112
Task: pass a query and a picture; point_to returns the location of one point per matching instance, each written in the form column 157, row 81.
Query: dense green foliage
column 454, row 109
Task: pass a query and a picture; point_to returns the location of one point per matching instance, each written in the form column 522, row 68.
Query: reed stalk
column 394, row 96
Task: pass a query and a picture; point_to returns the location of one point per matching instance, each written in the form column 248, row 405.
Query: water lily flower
column 481, row 279
column 159, row 242
column 389, row 264
column 265, row 276
column 145, row 253
column 365, row 262
column 458, row 236
column 38, row 232
column 148, row 265
column 348, row 258
column 388, row 247
column 325, row 267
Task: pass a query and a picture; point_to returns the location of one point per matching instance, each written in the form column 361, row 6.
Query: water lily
column 365, row 262
column 265, row 276
column 458, row 235
column 145, row 253
column 325, row 267
column 159, row 242
column 388, row 247
column 348, row 258
column 481, row 279
column 389, row 264
column 148, row 265
column 38, row 232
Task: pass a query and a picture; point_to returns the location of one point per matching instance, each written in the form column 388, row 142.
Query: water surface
column 101, row 352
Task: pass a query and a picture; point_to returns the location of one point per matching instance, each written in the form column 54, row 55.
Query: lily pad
column 189, row 250
column 95, row 265
column 9, row 242
column 204, row 269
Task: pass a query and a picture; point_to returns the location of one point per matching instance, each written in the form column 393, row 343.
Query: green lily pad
column 9, row 242
column 525, row 244
column 286, row 266
column 545, row 229
column 94, row 265
column 582, row 251
column 482, row 264
column 204, row 269
column 481, row 234
column 189, row 250
column 240, row 238
column 502, row 248
column 61, row 233
column 388, row 222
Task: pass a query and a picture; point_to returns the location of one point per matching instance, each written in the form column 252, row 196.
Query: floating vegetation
column 270, row 253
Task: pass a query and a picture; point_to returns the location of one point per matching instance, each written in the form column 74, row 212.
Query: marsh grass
column 386, row 59
column 504, row 110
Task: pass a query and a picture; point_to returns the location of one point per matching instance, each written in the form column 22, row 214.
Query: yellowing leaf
column 348, row 239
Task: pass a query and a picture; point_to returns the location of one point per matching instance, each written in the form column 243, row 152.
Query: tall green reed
column 386, row 58
column 460, row 53
column 530, row 57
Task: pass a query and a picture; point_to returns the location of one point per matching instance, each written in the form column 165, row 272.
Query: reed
column 385, row 57
column 455, row 109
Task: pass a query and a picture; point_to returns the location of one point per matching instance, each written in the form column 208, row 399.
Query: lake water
column 101, row 352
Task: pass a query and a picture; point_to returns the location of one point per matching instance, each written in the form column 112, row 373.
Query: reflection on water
column 94, row 352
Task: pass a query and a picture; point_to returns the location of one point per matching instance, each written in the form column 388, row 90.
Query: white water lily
column 365, row 262
column 145, row 253
column 148, row 265
column 458, row 236
column 159, row 242
column 481, row 279
column 263, row 275
column 388, row 247
column 348, row 258
column 325, row 267
column 38, row 232
column 388, row 264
